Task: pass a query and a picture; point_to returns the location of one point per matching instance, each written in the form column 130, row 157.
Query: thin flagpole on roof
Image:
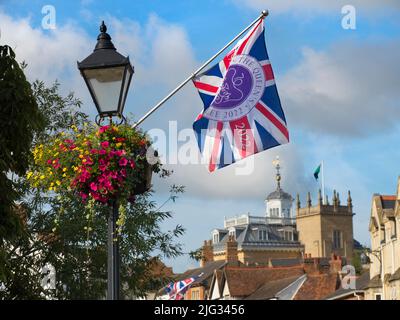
column 263, row 14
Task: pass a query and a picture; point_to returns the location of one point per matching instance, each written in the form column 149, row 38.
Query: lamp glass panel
column 106, row 86
column 125, row 92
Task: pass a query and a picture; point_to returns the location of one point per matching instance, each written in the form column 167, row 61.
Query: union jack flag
column 176, row 290
column 242, row 112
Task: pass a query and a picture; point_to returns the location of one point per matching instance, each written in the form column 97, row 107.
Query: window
column 274, row 212
column 216, row 238
column 337, row 239
column 378, row 296
column 195, row 295
column 262, row 235
column 288, row 236
column 232, row 233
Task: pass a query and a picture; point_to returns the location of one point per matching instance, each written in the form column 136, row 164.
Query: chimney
column 231, row 251
column 207, row 253
column 335, row 263
column 311, row 265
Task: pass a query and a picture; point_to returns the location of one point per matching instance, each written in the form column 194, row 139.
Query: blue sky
column 339, row 90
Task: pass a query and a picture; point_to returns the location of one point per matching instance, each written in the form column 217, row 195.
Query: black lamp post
column 107, row 75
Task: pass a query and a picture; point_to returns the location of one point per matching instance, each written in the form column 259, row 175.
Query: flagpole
column 263, row 14
column 323, row 182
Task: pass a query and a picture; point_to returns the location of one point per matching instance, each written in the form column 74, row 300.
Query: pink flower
column 84, row 176
column 83, row 195
column 102, row 151
column 120, row 152
column 94, row 151
column 103, row 128
column 102, row 165
column 95, row 195
column 105, row 144
column 132, row 163
column 93, row 186
column 123, row 162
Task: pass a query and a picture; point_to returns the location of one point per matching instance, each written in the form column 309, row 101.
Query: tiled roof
column 388, row 202
column 318, row 286
column 243, row 281
column 285, row 262
column 207, row 272
column 386, row 197
column 361, row 283
column 246, row 238
column 395, row 276
column 270, row 289
column 375, row 282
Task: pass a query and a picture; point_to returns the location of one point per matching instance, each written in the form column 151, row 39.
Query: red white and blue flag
column 176, row 290
column 242, row 112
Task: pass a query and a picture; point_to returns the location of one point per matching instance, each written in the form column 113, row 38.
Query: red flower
column 123, row 162
column 93, row 186
column 83, row 195
column 103, row 128
column 105, row 144
column 94, row 151
column 120, row 152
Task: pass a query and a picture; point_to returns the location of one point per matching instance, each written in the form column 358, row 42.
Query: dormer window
column 232, row 233
column 216, row 238
column 262, row 235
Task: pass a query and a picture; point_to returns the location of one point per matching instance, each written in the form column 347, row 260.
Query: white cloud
column 350, row 89
column 226, row 184
column 161, row 53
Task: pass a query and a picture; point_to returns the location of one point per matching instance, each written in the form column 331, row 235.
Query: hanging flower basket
column 105, row 164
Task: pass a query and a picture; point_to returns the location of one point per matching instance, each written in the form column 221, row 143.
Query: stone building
column 385, row 247
column 255, row 240
column 325, row 229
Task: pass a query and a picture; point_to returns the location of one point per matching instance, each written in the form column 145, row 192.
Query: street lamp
column 108, row 75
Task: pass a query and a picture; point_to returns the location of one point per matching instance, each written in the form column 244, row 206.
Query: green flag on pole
column 316, row 172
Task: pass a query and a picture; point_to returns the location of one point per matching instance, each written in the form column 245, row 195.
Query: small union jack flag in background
column 177, row 290
column 242, row 112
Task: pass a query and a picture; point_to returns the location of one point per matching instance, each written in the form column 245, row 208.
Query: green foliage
column 72, row 235
column 356, row 261
column 20, row 120
column 196, row 255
